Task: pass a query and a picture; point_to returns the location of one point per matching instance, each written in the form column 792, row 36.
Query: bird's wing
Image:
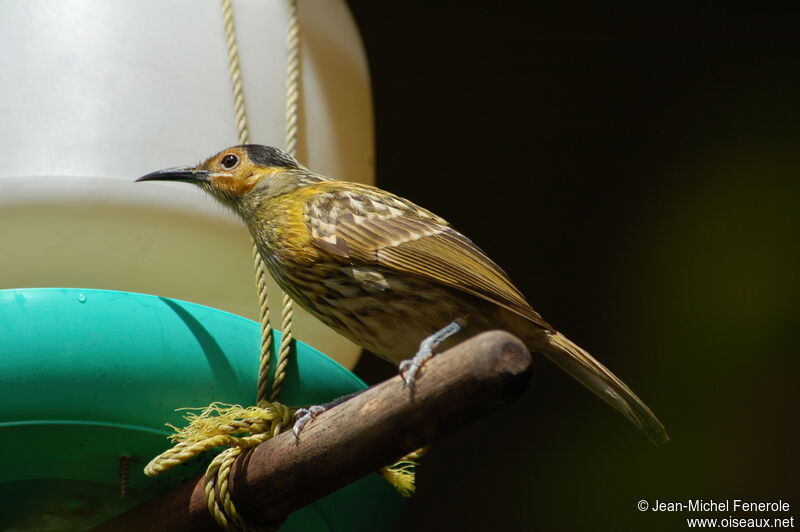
column 362, row 224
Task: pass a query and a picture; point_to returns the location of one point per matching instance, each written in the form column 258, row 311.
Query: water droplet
column 81, row 298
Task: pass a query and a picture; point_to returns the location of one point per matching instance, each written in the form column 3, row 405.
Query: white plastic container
column 94, row 93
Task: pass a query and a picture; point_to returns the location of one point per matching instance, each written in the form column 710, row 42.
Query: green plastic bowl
column 88, row 376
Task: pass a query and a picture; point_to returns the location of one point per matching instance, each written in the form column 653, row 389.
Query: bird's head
column 240, row 172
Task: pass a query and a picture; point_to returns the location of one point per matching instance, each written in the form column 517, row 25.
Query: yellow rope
column 217, row 495
column 235, row 71
column 266, row 328
column 292, row 105
column 244, row 138
column 292, row 78
column 217, row 425
column 233, row 426
column 402, row 474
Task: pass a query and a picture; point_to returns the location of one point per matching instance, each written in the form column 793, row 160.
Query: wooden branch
column 353, row 439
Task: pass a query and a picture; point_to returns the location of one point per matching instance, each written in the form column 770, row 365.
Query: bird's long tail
column 592, row 374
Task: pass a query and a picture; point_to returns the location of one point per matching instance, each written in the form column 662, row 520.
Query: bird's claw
column 408, row 370
column 303, row 415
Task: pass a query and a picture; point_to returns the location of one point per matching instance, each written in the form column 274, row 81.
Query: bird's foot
column 410, row 367
column 303, row 415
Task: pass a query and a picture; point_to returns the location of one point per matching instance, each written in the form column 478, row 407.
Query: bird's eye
column 229, row 161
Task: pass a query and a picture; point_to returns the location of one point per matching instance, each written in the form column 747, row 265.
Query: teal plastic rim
column 88, row 376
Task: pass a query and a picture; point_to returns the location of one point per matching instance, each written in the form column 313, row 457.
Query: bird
column 383, row 272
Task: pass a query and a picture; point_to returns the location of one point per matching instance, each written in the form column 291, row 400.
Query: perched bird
column 383, row 272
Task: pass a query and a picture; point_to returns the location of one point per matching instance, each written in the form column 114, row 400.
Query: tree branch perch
column 353, row 439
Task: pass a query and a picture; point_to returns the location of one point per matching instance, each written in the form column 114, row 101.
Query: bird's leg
column 410, row 367
column 303, row 415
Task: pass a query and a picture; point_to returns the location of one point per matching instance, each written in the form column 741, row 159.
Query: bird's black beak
column 183, row 173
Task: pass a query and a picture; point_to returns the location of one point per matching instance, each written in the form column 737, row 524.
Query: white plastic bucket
column 94, row 93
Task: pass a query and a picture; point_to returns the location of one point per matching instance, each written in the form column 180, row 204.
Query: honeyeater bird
column 389, row 275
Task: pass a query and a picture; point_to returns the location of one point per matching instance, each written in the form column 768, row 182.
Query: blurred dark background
column 644, row 195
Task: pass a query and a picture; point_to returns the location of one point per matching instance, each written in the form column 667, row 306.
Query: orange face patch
column 236, row 184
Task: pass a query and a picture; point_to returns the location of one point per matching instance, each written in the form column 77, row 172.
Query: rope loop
column 222, row 425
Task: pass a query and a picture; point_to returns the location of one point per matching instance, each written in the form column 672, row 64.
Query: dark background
column 644, row 195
